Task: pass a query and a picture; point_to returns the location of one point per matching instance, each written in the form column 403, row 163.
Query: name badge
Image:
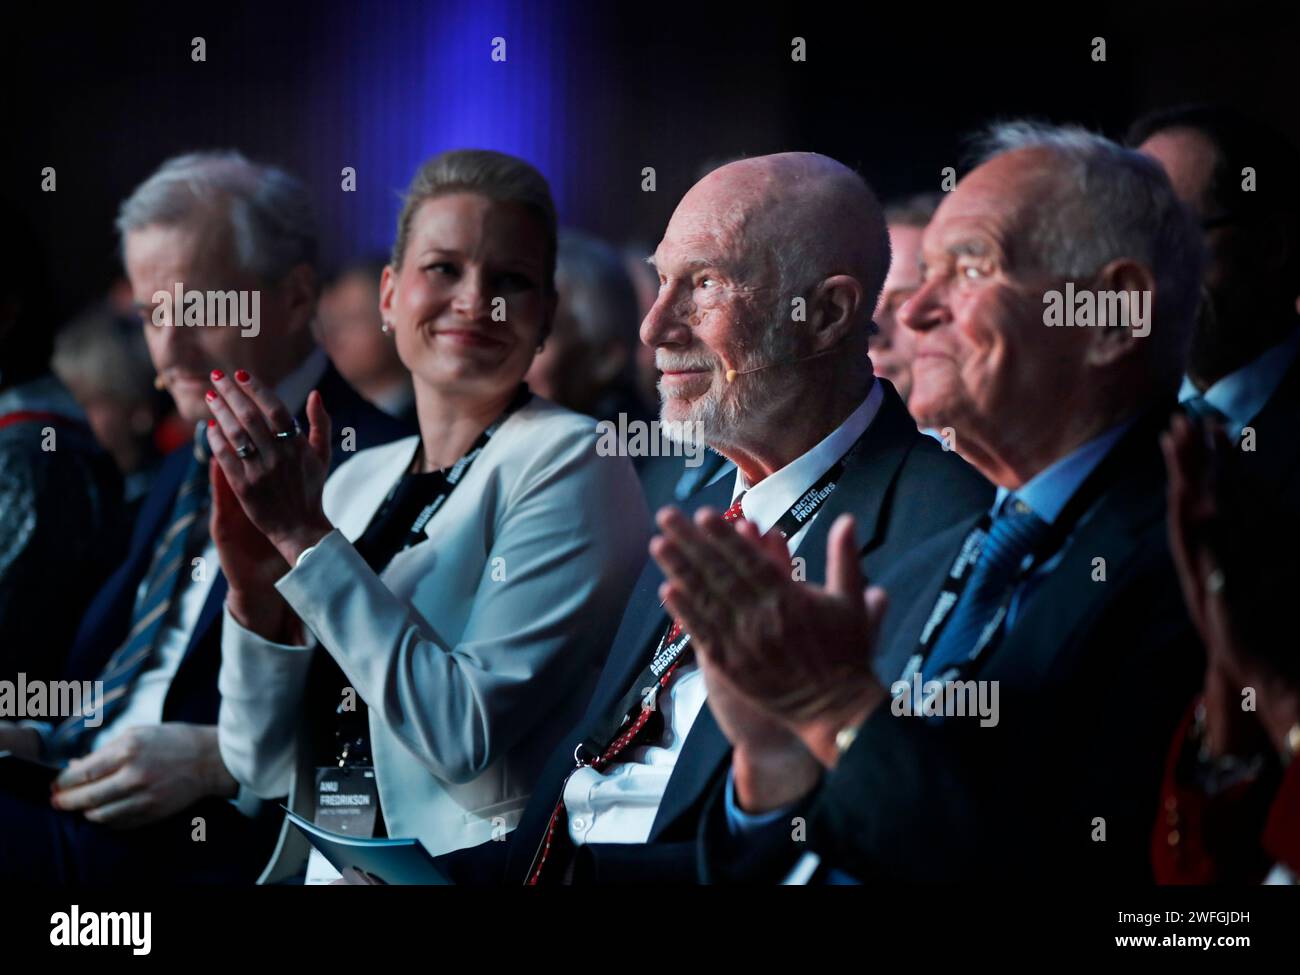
column 347, row 800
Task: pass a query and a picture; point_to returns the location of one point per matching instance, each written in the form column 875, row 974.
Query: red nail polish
column 217, row 374
column 241, row 376
column 212, row 423
column 211, row 395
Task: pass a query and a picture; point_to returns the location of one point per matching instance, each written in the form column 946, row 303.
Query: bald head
column 769, row 272
column 805, row 214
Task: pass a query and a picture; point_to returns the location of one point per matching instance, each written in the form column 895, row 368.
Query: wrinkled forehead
column 200, row 244
column 999, row 201
column 711, row 227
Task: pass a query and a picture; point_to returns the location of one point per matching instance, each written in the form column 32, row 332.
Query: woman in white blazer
column 466, row 582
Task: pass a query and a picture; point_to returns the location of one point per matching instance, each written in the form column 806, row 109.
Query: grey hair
column 1112, row 203
column 495, row 175
column 99, row 352
column 271, row 215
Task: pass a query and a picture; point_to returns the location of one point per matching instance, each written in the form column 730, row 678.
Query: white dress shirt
column 144, row 705
column 619, row 804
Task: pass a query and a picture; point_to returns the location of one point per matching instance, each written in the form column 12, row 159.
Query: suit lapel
column 862, row 491
column 703, row 754
column 867, row 479
column 1277, row 448
column 1068, row 597
column 644, row 621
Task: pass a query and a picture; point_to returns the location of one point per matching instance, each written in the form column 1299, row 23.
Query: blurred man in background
column 646, row 283
column 1242, row 180
column 892, row 346
column 352, row 333
column 588, row 361
column 143, row 766
column 61, row 523
column 103, row 360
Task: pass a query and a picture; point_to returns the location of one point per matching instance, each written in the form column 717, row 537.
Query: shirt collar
column 44, row 394
column 1050, row 490
column 770, row 498
column 294, row 388
column 1241, row 395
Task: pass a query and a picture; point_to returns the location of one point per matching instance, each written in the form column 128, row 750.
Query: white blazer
column 475, row 650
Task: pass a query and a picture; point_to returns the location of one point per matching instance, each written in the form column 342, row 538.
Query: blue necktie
column 151, row 608
column 1200, row 408
column 1015, row 533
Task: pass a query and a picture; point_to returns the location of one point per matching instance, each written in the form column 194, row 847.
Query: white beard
column 729, row 413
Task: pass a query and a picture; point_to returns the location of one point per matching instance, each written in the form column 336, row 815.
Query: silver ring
column 245, row 450
column 1215, row 580
column 290, row 434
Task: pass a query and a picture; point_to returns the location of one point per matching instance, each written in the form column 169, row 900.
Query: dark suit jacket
column 192, row 696
column 1274, row 465
column 902, row 487
column 1093, row 677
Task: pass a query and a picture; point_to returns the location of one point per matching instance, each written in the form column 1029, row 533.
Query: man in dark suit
column 144, row 794
column 770, row 268
column 1239, row 177
column 1037, row 654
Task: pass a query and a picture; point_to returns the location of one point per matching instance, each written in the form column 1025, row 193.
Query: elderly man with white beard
column 1062, row 594
column 768, row 274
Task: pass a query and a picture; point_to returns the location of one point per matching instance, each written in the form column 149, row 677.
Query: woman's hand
column 1217, row 596
column 251, row 565
column 279, row 480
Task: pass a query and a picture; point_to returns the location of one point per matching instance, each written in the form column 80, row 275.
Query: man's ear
column 834, row 310
column 300, row 292
column 1126, row 289
column 609, row 362
column 549, row 307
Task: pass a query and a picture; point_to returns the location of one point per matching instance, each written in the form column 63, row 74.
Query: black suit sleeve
column 1065, row 785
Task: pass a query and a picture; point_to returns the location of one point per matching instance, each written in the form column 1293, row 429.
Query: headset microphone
column 732, row 373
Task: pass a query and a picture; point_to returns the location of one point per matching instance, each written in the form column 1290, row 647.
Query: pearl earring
column 386, row 327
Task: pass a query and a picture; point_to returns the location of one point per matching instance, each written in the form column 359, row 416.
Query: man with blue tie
column 1238, row 176
column 222, row 256
column 1058, row 607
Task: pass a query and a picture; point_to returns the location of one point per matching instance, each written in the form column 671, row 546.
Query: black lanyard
column 384, row 537
column 645, row 689
column 419, row 497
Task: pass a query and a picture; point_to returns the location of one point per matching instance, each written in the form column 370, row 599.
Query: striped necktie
column 1015, row 533
column 151, row 607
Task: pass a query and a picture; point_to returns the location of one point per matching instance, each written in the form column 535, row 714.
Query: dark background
column 590, row 92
